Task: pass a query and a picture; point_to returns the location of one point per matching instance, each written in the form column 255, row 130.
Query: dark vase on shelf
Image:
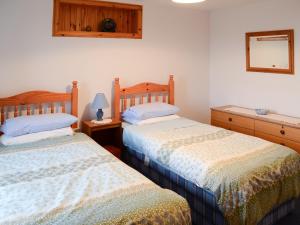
column 108, row 25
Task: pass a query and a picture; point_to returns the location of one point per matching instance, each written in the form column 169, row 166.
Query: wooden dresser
column 275, row 128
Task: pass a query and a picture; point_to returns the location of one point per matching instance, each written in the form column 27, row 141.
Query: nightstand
column 107, row 135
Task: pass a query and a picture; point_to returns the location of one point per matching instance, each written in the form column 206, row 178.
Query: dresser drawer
column 279, row 140
column 241, row 130
column 220, row 124
column 232, row 127
column 294, row 145
column 278, row 130
column 235, row 120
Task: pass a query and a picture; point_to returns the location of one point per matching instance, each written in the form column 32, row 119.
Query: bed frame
column 148, row 91
column 33, row 101
column 205, row 210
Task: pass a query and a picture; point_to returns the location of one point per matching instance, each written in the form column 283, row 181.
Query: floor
column 293, row 218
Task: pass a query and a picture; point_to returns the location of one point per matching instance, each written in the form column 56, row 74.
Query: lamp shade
column 100, row 101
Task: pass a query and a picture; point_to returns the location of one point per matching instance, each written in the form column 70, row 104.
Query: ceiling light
column 188, row 1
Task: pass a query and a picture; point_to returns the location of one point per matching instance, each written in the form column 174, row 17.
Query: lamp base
column 99, row 115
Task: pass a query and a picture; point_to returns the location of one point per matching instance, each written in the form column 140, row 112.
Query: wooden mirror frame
column 289, row 33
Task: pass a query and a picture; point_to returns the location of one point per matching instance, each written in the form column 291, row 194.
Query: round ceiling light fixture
column 188, row 1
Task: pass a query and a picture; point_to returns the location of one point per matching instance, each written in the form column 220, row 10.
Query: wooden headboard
column 29, row 102
column 141, row 92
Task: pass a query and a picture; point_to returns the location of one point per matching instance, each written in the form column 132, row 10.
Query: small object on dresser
column 108, row 25
column 262, row 112
column 99, row 103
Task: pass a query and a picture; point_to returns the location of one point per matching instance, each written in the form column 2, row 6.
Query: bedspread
column 72, row 180
column 248, row 175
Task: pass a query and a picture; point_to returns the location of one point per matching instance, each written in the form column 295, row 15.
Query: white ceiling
column 208, row 4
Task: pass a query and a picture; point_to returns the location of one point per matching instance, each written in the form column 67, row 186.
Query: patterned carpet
column 293, row 218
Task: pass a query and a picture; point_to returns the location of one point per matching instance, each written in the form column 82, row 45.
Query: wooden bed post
column 171, row 90
column 74, row 102
column 117, row 99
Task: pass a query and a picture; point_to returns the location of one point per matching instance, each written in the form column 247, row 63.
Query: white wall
column 175, row 41
column 229, row 81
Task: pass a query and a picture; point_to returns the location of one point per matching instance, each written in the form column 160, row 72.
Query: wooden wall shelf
column 71, row 17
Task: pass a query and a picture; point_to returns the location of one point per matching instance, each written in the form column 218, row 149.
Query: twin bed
column 227, row 177
column 73, row 180
column 224, row 177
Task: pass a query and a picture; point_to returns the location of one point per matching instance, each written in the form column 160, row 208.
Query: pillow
column 151, row 120
column 150, row 110
column 36, row 123
column 28, row 138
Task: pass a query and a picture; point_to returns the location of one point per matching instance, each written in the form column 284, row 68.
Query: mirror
column 270, row 51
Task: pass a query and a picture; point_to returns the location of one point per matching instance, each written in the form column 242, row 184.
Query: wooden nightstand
column 107, row 135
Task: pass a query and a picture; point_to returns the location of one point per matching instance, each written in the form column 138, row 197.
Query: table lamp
column 99, row 103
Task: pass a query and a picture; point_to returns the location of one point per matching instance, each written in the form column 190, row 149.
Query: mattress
column 204, row 208
column 248, row 176
column 72, row 180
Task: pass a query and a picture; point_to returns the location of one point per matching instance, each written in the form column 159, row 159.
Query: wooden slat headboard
column 37, row 100
column 144, row 92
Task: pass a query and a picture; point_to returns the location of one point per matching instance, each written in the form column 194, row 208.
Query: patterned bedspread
column 72, row 180
column 248, row 176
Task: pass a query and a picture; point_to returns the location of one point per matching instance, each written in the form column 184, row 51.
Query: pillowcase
column 28, row 138
column 36, row 123
column 150, row 110
column 151, row 120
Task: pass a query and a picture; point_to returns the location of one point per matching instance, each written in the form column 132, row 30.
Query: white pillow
column 28, row 138
column 151, row 120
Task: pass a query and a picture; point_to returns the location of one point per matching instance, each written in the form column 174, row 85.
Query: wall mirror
column 270, row 51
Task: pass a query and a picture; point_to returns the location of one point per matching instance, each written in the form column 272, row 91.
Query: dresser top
column 271, row 117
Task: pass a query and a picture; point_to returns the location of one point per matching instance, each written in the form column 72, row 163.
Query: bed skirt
column 203, row 204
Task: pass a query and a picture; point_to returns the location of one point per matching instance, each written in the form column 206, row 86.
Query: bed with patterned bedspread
column 72, row 180
column 248, row 176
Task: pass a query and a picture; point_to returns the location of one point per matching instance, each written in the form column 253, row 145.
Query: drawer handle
column 282, row 132
column 230, row 119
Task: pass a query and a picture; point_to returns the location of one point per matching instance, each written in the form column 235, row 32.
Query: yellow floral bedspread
column 248, row 176
column 74, row 181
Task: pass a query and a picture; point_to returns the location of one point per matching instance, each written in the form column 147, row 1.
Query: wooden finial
column 74, row 84
column 171, row 77
column 117, row 80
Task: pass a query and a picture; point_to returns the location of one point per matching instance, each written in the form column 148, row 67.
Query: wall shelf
column 71, row 18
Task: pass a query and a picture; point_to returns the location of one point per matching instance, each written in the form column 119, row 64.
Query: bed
column 227, row 177
column 73, row 180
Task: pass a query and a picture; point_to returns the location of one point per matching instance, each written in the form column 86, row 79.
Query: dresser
column 276, row 128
